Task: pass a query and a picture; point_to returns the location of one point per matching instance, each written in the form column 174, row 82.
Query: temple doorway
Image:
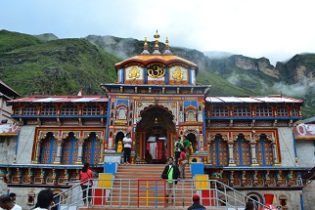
column 155, row 134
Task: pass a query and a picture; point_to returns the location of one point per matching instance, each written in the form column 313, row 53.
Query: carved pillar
column 231, row 154
column 37, row 153
column 101, row 160
column 253, row 153
column 275, row 154
column 58, row 153
column 80, row 151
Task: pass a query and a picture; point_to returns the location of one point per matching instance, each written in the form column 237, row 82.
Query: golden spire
column 167, row 44
column 167, row 50
column 156, row 37
column 145, row 45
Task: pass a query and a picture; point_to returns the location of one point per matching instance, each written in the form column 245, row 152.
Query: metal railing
column 152, row 193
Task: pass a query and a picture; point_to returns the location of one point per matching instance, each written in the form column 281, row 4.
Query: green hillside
column 57, row 67
column 13, row 40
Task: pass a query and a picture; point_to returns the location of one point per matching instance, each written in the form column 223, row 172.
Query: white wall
column 7, row 149
column 306, row 153
column 309, row 196
column 25, row 144
column 286, row 147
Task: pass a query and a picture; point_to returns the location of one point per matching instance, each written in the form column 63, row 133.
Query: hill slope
column 57, row 67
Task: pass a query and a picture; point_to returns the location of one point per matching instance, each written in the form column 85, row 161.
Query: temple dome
column 146, row 59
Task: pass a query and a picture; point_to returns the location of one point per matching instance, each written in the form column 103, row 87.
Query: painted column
column 253, row 153
column 37, row 154
column 101, row 160
column 58, row 153
column 275, row 154
column 80, row 151
column 231, row 154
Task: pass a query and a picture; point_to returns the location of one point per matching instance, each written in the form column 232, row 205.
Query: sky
column 276, row 29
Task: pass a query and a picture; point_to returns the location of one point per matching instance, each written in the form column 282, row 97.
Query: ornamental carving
column 177, row 74
column 134, row 73
column 156, row 71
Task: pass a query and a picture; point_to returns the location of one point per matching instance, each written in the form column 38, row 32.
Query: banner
column 304, row 131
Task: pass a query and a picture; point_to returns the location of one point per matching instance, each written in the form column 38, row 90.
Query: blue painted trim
column 108, row 119
column 301, row 201
column 239, row 145
column 51, row 149
column 72, row 144
column 204, row 122
column 92, row 154
column 167, row 76
column 294, row 145
column 217, row 151
column 123, row 75
column 263, row 152
column 145, row 75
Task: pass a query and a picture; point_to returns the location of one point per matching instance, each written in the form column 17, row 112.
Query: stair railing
column 144, row 193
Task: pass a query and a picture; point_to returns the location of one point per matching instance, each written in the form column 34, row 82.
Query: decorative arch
column 91, row 149
column 219, row 151
column 264, row 151
column 69, row 149
column 48, row 149
column 241, row 149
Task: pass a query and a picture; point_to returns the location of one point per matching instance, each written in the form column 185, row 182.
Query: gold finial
column 167, row 44
column 145, row 45
column 156, row 37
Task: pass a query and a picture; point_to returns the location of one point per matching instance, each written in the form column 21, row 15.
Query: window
column 241, row 111
column 220, row 111
column 219, row 151
column 29, row 110
column 69, row 110
column 242, row 154
column 69, row 150
column 91, row 149
column 264, row 111
column 49, row 110
column 47, row 149
column 264, row 151
column 91, row 110
column 295, row 111
column 282, row 111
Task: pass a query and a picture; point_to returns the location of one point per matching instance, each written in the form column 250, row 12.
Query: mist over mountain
column 44, row 64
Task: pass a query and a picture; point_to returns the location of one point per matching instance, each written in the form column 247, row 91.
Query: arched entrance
column 154, row 134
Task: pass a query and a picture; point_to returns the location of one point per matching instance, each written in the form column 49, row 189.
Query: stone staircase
column 141, row 185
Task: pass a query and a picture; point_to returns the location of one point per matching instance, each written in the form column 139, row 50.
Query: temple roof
column 6, row 91
column 252, row 99
column 146, row 59
column 62, row 99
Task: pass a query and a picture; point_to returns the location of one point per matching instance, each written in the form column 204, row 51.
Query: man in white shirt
column 6, row 203
column 127, row 148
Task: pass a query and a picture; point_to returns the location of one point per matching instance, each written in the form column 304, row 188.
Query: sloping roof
column 50, row 99
column 266, row 99
column 7, row 91
column 153, row 58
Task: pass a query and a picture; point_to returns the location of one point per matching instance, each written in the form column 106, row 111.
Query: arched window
column 242, row 155
column 264, row 151
column 91, row 149
column 47, row 149
column 69, row 150
column 219, row 153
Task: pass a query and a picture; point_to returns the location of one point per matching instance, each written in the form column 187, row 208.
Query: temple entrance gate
column 155, row 134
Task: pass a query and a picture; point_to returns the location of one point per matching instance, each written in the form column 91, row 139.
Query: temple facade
column 246, row 142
